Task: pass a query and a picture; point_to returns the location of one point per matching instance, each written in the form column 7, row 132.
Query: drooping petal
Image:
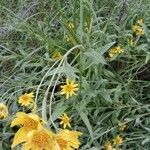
column 20, row 137
column 16, row 121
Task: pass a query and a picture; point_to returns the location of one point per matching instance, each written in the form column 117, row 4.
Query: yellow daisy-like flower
column 41, row 139
column 122, row 126
column 71, row 25
column 26, row 99
column 131, row 42
column 108, row 146
column 56, row 55
column 28, row 122
column 117, row 140
column 140, row 22
column 65, row 120
column 3, row 111
column 69, row 89
column 115, row 51
column 67, row 140
column 138, row 30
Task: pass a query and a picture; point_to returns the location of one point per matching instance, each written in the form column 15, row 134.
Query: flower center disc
column 69, row 88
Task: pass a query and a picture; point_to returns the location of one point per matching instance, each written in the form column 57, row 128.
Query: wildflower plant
column 88, row 63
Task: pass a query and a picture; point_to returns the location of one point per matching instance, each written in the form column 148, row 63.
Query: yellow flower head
column 41, row 139
column 71, row 25
column 115, row 51
column 65, row 120
column 118, row 140
column 26, row 99
column 138, row 30
column 28, row 122
column 56, row 55
column 108, row 146
column 131, row 42
column 3, row 111
column 67, row 140
column 69, row 89
column 140, row 22
column 122, row 126
column 67, row 38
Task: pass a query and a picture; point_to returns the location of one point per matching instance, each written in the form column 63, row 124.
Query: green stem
column 81, row 39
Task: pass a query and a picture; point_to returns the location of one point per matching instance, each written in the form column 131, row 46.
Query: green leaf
column 106, row 48
column 95, row 57
column 60, row 108
column 70, row 71
column 87, row 123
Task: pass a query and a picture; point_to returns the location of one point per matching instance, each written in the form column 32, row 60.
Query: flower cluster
column 115, row 51
column 117, row 141
column 137, row 28
column 114, row 143
column 138, row 31
column 33, row 135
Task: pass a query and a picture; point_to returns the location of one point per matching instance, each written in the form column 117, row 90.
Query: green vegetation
column 81, row 33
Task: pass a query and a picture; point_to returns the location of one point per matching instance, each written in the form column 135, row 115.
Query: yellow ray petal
column 20, row 137
column 31, row 94
column 20, row 114
column 72, row 82
column 16, row 121
column 67, row 95
column 67, row 81
column 74, row 85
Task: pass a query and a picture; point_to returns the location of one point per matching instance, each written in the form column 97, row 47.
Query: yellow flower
column 115, row 51
column 131, row 42
column 3, row 111
column 138, row 30
column 122, row 126
column 40, row 139
column 26, row 99
column 118, row 140
column 140, row 22
column 56, row 55
column 65, row 120
column 67, row 140
column 67, row 38
column 108, row 146
column 28, row 122
column 71, row 25
column 69, row 89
